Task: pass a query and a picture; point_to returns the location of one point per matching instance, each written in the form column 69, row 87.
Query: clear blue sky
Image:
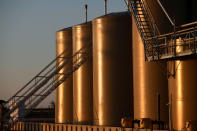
column 27, row 35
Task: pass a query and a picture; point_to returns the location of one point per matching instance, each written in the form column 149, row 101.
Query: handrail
column 156, row 45
column 35, row 77
column 46, row 84
column 189, row 24
column 164, row 10
column 49, row 84
column 127, row 4
column 177, row 32
column 154, row 23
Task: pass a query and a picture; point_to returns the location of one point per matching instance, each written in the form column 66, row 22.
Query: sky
column 27, row 35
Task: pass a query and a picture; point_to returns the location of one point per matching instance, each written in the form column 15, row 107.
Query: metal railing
column 180, row 43
column 43, row 84
column 146, row 25
column 176, row 46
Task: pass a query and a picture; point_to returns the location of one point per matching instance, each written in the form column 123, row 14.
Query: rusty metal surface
column 64, row 93
column 112, row 68
column 83, row 77
column 148, row 81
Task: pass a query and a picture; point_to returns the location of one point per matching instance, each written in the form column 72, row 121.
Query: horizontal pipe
column 178, row 32
column 188, row 24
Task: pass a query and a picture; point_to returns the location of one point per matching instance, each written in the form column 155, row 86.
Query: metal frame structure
column 170, row 49
column 162, row 47
column 42, row 85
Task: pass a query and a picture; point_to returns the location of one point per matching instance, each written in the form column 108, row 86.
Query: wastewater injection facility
column 123, row 71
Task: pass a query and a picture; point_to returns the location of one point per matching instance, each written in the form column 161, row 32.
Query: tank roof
column 65, row 29
column 85, row 23
column 114, row 14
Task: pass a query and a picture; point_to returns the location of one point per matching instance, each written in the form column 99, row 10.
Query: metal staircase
column 42, row 85
column 146, row 26
column 162, row 47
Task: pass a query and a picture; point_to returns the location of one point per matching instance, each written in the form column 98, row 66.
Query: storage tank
column 181, row 83
column 112, row 69
column 149, row 82
column 182, row 91
column 64, row 93
column 83, row 77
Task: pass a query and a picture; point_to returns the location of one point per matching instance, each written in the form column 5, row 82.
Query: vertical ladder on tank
column 146, row 26
column 42, row 85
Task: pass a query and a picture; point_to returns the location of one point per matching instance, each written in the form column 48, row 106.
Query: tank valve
column 127, row 122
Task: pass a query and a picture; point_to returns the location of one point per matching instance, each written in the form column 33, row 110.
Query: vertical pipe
column 170, row 112
column 158, row 95
column 86, row 12
column 105, row 6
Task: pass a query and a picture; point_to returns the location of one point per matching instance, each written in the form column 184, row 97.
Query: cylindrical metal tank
column 83, row 77
column 182, row 91
column 112, row 68
column 181, row 83
column 64, row 93
column 149, row 81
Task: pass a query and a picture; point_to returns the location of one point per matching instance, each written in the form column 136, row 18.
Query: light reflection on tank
column 83, row 77
column 64, row 93
column 148, row 81
column 112, row 68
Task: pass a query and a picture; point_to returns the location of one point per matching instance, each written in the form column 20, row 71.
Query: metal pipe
column 188, row 24
column 181, row 32
column 173, row 24
column 170, row 113
column 86, row 12
column 158, row 95
column 105, row 6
